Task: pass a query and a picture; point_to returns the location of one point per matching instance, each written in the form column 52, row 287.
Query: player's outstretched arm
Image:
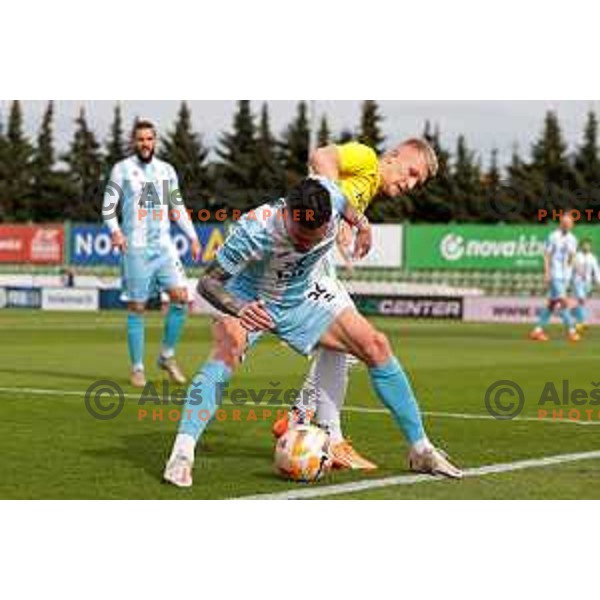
column 325, row 161
column 343, row 242
column 364, row 236
column 112, row 197
column 547, row 259
column 184, row 221
column 110, row 204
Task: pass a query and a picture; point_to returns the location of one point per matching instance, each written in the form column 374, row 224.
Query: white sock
column 184, row 445
column 305, row 407
column 422, row 445
column 331, row 377
column 167, row 353
column 138, row 367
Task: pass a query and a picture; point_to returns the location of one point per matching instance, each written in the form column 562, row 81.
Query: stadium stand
column 493, row 283
column 364, row 280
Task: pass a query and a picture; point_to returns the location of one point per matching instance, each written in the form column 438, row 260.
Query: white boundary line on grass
column 370, row 484
column 51, row 392
column 355, row 409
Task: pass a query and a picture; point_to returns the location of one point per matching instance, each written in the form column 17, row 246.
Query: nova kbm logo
column 452, row 247
column 521, row 250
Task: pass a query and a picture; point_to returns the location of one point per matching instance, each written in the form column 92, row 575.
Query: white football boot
column 433, row 461
column 137, row 378
column 172, row 368
column 179, row 471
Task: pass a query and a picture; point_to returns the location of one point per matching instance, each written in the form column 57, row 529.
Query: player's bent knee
column 136, row 307
column 377, row 350
column 230, row 354
column 230, row 341
column 178, row 295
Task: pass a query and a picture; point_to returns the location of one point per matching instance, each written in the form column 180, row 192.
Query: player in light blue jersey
column 586, row 273
column 269, row 276
column 559, row 256
column 147, row 191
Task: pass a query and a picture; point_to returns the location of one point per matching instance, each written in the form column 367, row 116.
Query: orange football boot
column 344, row 456
column 538, row 336
column 280, row 426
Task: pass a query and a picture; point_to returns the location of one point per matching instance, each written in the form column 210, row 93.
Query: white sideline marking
column 355, row 409
column 469, row 416
column 52, row 392
column 370, row 484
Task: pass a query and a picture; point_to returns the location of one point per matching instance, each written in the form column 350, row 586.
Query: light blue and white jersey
column 263, row 261
column 586, row 269
column 147, row 193
column 561, row 248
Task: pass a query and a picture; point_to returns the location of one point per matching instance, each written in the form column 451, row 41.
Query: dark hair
column 312, row 200
column 142, row 124
column 586, row 240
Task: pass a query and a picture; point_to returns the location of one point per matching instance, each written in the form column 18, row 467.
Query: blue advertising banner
column 111, row 299
column 12, row 297
column 90, row 245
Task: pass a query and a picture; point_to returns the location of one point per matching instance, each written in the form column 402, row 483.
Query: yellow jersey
column 359, row 174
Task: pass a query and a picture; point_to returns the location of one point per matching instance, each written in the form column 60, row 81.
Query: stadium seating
column 496, row 283
column 492, row 283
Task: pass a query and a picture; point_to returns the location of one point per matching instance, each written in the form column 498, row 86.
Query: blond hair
column 428, row 153
column 425, row 149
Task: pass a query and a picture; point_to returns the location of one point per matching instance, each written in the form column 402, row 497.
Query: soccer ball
column 302, row 453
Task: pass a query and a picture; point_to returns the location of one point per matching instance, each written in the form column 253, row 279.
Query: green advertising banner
column 455, row 246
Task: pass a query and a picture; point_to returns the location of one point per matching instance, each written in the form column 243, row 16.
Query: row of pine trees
column 251, row 164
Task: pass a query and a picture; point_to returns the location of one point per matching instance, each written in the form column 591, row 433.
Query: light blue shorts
column 145, row 275
column 581, row 290
column 558, row 289
column 303, row 324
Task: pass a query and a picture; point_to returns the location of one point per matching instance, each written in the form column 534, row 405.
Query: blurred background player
column 586, row 273
column 559, row 257
column 361, row 176
column 268, row 276
column 147, row 189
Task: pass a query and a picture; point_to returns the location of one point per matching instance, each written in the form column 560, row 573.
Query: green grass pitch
column 50, row 446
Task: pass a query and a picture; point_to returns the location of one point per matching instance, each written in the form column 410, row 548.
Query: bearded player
column 361, row 176
column 148, row 191
column 559, row 256
column 586, row 274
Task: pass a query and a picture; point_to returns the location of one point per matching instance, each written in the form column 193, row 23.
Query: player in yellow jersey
column 361, row 175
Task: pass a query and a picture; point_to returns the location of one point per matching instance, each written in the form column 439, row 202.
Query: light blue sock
column 203, row 397
column 580, row 314
column 566, row 318
column 174, row 321
column 135, row 339
column 544, row 317
column 394, row 390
